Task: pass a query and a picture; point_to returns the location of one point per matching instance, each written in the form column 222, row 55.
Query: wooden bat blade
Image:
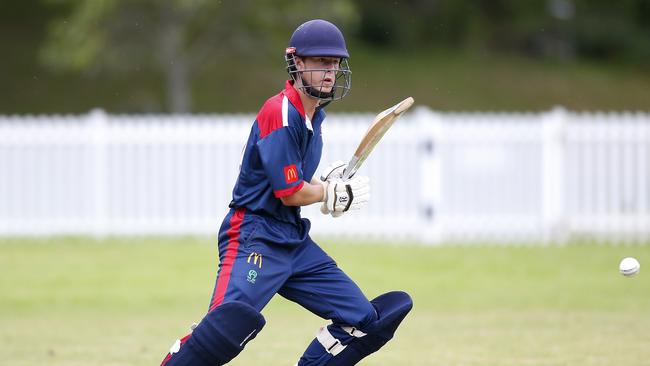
column 379, row 126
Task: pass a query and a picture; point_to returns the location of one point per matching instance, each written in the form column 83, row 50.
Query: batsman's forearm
column 309, row 193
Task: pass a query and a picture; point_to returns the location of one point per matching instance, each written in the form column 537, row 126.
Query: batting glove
column 342, row 196
column 332, row 171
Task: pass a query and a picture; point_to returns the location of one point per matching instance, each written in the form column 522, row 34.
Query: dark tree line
column 549, row 28
column 175, row 39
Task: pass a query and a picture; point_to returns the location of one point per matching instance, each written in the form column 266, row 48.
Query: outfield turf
column 78, row 301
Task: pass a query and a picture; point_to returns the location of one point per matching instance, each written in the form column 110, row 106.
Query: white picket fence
column 436, row 177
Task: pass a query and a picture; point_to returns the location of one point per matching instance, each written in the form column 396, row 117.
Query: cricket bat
column 376, row 131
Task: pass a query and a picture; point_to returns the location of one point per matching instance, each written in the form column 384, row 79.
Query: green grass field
column 79, row 301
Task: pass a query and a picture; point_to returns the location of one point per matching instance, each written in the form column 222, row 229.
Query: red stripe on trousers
column 229, row 258
column 169, row 355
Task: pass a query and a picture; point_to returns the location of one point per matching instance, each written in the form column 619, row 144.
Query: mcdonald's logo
column 255, row 257
column 290, row 173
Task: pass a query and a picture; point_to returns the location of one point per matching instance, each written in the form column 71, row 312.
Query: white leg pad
column 327, row 340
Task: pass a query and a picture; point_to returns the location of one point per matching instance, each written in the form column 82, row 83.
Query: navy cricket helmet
column 319, row 38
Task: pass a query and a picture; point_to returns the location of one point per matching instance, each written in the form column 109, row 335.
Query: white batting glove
column 332, row 171
column 343, row 196
column 323, row 208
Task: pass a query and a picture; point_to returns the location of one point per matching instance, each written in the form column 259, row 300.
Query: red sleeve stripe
column 289, row 191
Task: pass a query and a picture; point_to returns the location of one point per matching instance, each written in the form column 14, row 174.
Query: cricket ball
column 629, row 266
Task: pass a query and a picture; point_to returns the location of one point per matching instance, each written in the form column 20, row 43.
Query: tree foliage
column 548, row 28
column 178, row 39
column 175, row 38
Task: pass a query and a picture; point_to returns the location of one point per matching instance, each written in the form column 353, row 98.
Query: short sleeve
column 282, row 161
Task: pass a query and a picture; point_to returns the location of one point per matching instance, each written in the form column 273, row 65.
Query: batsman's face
column 319, row 72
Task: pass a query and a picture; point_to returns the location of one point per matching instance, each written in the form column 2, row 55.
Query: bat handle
column 351, row 168
column 346, row 174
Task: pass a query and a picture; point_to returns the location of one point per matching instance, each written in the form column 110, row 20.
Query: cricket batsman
column 264, row 244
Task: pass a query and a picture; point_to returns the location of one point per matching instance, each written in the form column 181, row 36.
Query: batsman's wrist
column 324, row 184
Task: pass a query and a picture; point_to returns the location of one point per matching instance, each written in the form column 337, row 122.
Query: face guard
column 342, row 79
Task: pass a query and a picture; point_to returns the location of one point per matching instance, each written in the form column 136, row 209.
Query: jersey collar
column 294, row 97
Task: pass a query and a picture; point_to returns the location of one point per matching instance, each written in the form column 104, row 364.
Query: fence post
column 428, row 129
column 554, row 223
column 97, row 124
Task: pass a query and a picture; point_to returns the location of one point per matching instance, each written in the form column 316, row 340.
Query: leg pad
column 355, row 344
column 219, row 337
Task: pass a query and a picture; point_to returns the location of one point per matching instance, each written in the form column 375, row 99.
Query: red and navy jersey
column 282, row 152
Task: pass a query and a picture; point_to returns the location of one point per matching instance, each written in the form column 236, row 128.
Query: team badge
column 252, row 275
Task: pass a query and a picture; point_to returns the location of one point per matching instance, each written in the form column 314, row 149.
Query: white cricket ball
column 629, row 266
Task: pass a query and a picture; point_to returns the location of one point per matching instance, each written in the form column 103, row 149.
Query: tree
column 173, row 37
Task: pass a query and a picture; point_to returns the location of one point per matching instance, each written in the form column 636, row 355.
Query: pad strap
column 327, row 340
column 353, row 332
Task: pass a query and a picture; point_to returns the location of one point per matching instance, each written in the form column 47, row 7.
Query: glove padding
column 342, row 196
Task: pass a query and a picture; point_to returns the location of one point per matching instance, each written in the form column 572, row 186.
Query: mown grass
column 80, row 301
